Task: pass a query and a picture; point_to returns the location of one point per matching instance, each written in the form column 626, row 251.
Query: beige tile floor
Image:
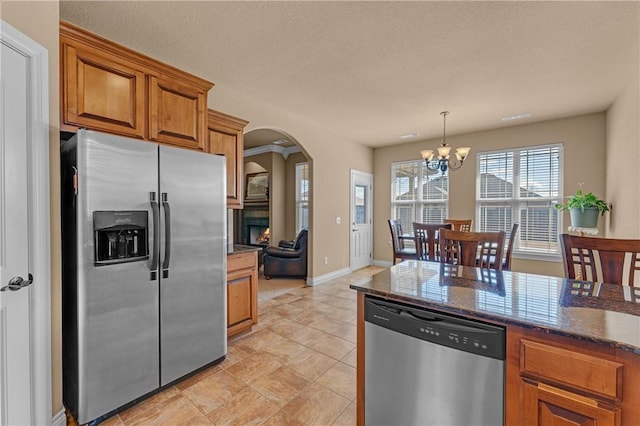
column 296, row 367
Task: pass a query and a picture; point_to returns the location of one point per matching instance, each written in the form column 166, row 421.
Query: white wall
column 584, row 149
column 623, row 163
column 331, row 157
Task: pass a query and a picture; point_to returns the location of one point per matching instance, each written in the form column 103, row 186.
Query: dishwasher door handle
column 411, row 315
column 442, row 323
column 404, row 313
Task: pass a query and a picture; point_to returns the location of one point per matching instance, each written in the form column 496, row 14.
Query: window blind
column 302, row 196
column 416, row 195
column 521, row 186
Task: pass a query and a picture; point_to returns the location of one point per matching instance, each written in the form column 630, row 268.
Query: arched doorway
column 278, row 155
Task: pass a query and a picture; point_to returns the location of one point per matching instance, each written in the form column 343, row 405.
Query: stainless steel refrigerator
column 144, row 265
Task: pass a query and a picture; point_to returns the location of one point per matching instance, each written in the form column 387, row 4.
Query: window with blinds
column 302, row 196
column 416, row 195
column 521, row 186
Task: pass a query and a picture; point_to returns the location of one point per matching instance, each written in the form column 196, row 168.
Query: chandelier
column 443, row 161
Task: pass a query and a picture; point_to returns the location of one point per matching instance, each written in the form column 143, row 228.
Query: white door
column 14, row 250
column 22, row 333
column 361, row 219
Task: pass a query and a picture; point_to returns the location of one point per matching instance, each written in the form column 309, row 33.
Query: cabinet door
column 239, row 300
column 546, row 405
column 177, row 113
column 102, row 94
column 226, row 138
column 242, row 291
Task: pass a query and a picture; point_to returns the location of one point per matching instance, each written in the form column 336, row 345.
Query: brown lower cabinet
column 562, row 380
column 242, row 291
column 553, row 379
column 548, row 405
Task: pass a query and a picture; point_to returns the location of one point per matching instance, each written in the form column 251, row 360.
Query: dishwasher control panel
column 443, row 329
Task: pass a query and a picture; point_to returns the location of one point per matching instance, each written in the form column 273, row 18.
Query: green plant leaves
column 582, row 201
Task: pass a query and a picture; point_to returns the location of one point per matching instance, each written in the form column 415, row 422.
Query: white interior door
column 25, row 318
column 361, row 219
column 14, row 251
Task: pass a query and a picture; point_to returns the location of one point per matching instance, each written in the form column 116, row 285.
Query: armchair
column 288, row 259
column 287, row 243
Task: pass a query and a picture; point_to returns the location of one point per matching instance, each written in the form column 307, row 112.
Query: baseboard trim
column 59, row 419
column 328, row 277
column 383, row 263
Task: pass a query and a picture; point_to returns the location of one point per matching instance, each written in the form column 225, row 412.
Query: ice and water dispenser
column 120, row 236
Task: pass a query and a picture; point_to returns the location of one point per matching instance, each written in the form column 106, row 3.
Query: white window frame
column 302, row 201
column 517, row 203
column 416, row 205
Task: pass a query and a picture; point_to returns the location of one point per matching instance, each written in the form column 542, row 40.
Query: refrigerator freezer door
column 192, row 260
column 117, row 305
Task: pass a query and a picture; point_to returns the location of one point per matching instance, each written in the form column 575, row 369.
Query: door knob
column 16, row 283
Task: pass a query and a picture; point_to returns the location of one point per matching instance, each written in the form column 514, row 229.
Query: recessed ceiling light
column 279, row 142
column 517, row 117
column 409, row 135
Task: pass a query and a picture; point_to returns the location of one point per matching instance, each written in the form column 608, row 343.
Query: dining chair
column 472, row 248
column 608, row 260
column 400, row 251
column 426, row 237
column 506, row 264
column 506, row 261
column 460, row 224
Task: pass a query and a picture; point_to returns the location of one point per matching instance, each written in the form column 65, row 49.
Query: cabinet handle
column 567, row 395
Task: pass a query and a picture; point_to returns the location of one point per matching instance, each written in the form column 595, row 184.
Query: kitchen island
column 572, row 347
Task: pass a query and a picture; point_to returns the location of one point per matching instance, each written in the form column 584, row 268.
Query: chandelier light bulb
column 427, row 154
column 462, row 152
column 443, row 152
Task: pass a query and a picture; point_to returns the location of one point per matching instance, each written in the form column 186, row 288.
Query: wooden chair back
column 608, row 260
column 506, row 265
column 460, row 224
column 399, row 249
column 472, row 248
column 427, row 239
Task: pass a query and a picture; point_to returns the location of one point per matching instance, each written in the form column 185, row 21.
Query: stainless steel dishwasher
column 431, row 369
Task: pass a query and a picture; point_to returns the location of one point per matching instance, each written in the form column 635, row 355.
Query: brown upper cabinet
column 108, row 87
column 225, row 134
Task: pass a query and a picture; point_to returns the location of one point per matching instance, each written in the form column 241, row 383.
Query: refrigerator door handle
column 153, row 267
column 167, row 233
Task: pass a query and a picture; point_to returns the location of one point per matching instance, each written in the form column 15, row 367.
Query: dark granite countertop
column 239, row 248
column 602, row 313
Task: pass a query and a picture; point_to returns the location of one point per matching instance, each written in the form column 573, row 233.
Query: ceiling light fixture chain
column 443, row 161
column 444, row 126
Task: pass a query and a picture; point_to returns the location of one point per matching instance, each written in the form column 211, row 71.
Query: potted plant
column 584, row 209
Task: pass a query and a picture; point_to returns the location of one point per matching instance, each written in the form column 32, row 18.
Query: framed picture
column 257, row 188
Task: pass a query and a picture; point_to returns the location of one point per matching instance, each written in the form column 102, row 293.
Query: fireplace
column 258, row 235
column 255, row 226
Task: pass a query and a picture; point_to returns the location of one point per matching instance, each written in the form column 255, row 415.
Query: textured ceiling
column 373, row 71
